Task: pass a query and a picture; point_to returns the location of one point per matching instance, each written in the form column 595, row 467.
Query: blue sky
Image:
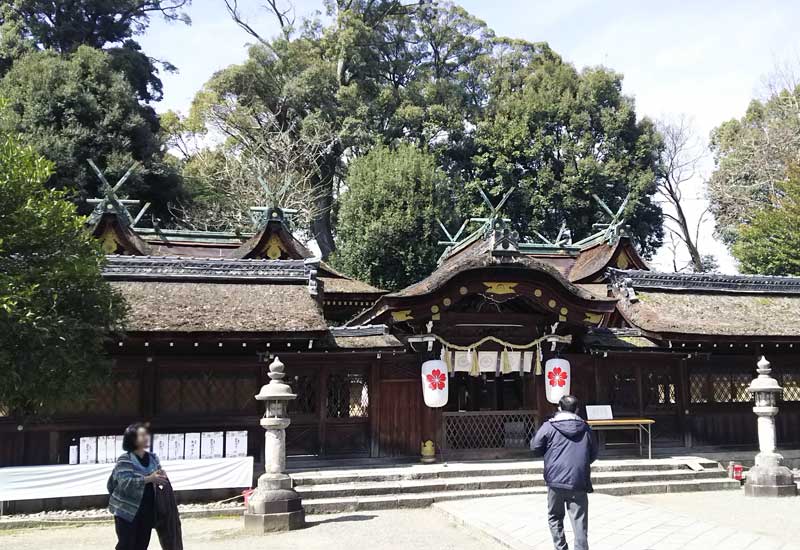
column 704, row 59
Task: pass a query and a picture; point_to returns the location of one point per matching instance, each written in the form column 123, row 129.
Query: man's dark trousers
column 577, row 505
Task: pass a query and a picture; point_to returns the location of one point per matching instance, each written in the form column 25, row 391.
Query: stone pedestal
column 769, row 477
column 274, row 506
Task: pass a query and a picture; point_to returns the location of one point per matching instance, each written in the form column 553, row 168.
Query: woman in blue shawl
column 131, row 486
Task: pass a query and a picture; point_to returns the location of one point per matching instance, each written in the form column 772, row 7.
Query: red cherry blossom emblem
column 557, row 377
column 436, row 379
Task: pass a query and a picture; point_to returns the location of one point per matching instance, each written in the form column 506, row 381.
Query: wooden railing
column 487, row 431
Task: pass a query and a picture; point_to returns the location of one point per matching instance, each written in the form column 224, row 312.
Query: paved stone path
column 615, row 523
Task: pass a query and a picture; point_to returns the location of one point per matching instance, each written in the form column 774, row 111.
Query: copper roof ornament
column 262, row 215
column 109, row 202
column 493, row 222
column 611, row 231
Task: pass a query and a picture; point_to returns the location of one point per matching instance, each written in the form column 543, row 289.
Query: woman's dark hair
column 130, row 436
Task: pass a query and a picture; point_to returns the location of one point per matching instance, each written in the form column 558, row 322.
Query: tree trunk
column 694, row 253
column 321, row 225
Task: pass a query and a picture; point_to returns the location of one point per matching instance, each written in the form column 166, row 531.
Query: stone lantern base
column 769, row 478
column 274, row 506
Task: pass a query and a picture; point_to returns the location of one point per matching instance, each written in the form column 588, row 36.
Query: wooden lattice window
column 741, row 382
column 698, row 388
column 120, row 396
column 721, row 387
column 348, row 396
column 791, row 386
column 207, row 392
column 660, row 388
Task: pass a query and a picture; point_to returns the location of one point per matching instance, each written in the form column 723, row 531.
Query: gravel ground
column 776, row 517
column 385, row 530
column 99, row 513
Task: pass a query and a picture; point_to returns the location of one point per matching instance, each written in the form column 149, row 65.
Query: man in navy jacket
column 569, row 447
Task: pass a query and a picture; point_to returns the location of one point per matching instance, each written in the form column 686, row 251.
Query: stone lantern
column 769, row 477
column 274, row 505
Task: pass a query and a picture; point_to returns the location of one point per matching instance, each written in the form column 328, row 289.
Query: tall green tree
column 55, row 309
column 770, row 242
column 65, row 25
column 495, row 112
column 752, row 157
column 79, row 107
column 79, row 87
column 387, row 226
column 379, row 72
column 561, row 135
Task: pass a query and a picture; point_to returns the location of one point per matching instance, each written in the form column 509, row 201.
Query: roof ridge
column 720, row 282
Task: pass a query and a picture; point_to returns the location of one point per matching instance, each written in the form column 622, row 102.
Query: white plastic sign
column 435, row 383
column 557, row 379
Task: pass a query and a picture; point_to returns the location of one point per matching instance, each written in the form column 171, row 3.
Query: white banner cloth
column 77, row 480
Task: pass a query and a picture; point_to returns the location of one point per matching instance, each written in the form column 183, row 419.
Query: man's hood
column 570, row 425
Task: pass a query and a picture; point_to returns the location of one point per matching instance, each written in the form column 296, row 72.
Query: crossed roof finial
column 564, row 237
column 611, row 231
column 263, row 214
column 486, row 223
column 109, row 202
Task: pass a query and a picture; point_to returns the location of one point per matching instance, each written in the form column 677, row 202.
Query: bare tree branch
column 679, row 166
column 258, row 149
column 285, row 18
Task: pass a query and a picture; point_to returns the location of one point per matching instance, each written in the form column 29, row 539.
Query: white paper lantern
column 435, row 387
column 557, row 379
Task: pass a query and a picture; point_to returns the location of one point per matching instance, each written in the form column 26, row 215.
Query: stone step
column 423, row 500
column 392, row 487
column 459, row 470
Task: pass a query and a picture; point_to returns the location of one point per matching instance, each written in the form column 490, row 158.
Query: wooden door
column 400, row 421
column 344, row 418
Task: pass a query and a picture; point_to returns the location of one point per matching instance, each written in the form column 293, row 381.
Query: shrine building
column 209, row 309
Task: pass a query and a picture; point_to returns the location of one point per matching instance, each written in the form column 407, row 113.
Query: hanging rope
column 472, row 347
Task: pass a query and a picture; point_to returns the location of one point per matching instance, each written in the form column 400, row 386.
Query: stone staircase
column 333, row 490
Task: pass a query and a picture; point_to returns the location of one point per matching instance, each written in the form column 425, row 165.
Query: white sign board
column 599, row 412
column 211, row 445
column 192, row 446
column 102, row 456
column 88, row 450
column 236, row 444
column 175, row 447
column 161, row 445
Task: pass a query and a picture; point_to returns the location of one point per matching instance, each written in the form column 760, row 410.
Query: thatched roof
column 288, row 246
column 478, row 255
column 617, row 338
column 709, row 304
column 169, row 268
column 713, row 313
column 593, row 261
column 178, row 306
column 364, row 337
column 335, row 285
